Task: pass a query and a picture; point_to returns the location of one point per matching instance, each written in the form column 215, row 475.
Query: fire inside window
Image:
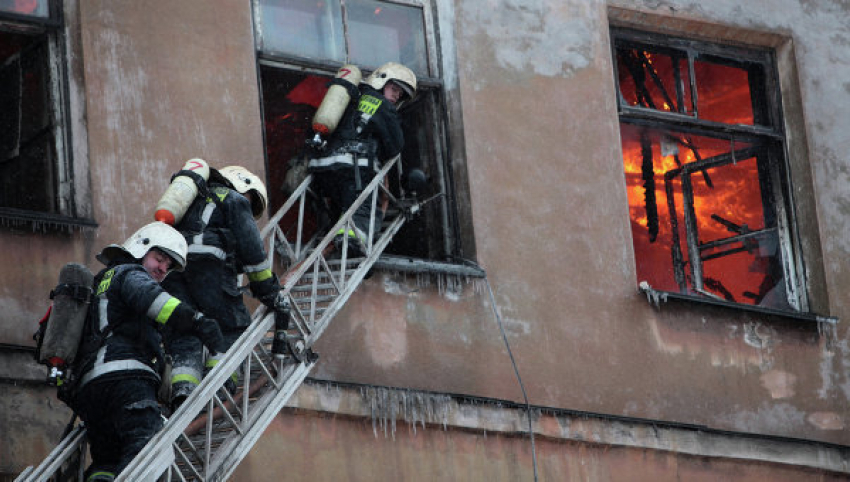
column 31, row 158
column 703, row 154
column 301, row 46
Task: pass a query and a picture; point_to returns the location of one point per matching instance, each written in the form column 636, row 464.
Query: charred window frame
column 708, row 183
column 36, row 180
column 299, row 62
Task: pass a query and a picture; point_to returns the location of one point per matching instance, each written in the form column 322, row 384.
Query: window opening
column 294, row 85
column 704, row 164
column 35, row 175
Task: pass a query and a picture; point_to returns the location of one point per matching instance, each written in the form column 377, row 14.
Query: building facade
column 635, row 251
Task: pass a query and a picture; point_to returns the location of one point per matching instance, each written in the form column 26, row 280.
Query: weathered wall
column 167, row 81
column 551, row 225
column 327, row 447
column 154, row 83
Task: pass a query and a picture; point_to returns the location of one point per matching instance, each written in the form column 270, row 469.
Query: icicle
column 827, row 331
column 387, row 405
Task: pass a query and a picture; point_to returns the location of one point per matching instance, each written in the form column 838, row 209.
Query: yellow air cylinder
column 336, row 100
column 180, row 193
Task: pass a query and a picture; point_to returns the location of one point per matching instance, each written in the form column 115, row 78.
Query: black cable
column 516, row 371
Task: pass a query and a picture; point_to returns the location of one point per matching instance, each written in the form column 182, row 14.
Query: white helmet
column 244, row 181
column 399, row 74
column 154, row 235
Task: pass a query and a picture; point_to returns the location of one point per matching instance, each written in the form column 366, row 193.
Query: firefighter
column 224, row 241
column 115, row 394
column 368, row 134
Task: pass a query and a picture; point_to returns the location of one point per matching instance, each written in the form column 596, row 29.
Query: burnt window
column 302, row 44
column 706, row 174
column 35, row 174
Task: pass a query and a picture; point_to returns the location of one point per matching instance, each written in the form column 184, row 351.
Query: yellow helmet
column 154, row 235
column 398, row 74
column 244, row 181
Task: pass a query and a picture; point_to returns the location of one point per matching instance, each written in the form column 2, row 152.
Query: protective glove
column 272, row 300
column 209, row 332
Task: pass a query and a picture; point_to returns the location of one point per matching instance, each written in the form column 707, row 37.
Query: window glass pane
column 383, row 32
column 654, row 80
column 723, row 93
column 304, row 28
column 35, row 8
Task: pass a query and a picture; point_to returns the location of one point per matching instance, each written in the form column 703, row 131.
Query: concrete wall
column 334, row 432
column 166, row 81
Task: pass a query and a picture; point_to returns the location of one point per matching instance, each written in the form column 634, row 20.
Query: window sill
column 656, row 297
column 44, row 222
column 415, row 265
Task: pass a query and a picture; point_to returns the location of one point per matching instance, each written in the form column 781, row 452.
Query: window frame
column 770, row 136
column 68, row 215
column 451, row 236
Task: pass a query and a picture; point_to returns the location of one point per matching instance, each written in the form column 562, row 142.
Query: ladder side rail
column 300, row 230
column 278, row 238
column 372, row 227
column 232, row 457
column 298, row 195
column 272, row 228
column 68, row 447
column 293, row 279
column 223, row 416
column 288, row 381
column 200, row 397
column 356, row 277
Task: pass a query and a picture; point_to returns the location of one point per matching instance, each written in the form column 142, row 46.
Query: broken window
column 703, row 153
column 301, row 45
column 35, row 179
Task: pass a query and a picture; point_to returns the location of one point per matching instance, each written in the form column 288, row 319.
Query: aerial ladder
column 213, row 430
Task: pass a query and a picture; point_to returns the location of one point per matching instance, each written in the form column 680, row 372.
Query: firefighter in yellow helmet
column 368, row 134
column 220, row 229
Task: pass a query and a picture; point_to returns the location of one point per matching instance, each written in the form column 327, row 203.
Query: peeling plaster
column 779, row 383
column 827, row 359
column 826, row 420
column 845, row 365
column 763, row 338
column 729, row 350
column 769, row 417
column 537, row 36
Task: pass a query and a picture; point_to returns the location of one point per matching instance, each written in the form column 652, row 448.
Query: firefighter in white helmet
column 120, row 358
column 368, row 134
column 224, row 241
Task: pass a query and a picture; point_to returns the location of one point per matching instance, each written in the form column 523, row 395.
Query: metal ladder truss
column 196, row 446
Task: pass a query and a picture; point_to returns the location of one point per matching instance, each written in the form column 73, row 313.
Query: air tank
column 174, row 203
column 336, row 100
column 71, row 299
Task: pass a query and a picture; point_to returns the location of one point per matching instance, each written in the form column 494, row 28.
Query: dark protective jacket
column 370, row 129
column 121, row 336
column 221, row 227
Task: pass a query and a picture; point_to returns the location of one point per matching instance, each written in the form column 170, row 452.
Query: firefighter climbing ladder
column 207, row 437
